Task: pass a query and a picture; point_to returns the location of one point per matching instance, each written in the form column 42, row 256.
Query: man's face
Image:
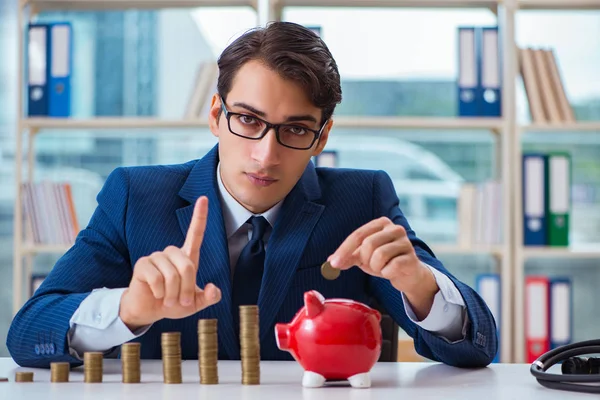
column 260, row 173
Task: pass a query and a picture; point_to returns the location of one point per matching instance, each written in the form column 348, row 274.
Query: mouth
column 261, row 180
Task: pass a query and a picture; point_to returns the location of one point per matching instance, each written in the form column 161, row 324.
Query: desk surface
column 283, row 380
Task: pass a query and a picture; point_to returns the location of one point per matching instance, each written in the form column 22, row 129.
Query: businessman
column 250, row 222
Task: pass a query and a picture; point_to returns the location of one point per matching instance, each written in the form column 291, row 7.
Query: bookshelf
column 27, row 128
column 521, row 253
column 510, row 255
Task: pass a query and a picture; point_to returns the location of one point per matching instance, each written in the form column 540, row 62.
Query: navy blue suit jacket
column 145, row 209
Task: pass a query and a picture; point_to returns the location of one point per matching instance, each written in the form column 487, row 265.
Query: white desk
column 282, row 380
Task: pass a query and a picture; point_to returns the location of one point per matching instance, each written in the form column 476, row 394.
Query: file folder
column 489, row 97
column 489, row 288
column 37, row 66
column 60, row 70
column 537, row 304
column 468, row 76
column 559, row 198
column 534, row 199
column 561, row 312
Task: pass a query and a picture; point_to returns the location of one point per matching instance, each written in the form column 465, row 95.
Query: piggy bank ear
column 313, row 301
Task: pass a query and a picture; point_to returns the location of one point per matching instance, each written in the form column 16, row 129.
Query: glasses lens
column 246, row 125
column 296, row 136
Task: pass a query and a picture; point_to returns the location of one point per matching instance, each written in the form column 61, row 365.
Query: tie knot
column 259, row 226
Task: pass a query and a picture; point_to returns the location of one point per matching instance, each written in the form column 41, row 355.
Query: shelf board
column 40, row 5
column 111, row 123
column 45, row 248
column 563, row 252
column 584, row 126
column 559, row 5
column 493, row 124
column 492, row 4
column 495, row 250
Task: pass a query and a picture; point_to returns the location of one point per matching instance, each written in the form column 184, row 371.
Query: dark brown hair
column 293, row 51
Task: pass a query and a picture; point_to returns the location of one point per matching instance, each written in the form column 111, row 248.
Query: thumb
column 207, row 297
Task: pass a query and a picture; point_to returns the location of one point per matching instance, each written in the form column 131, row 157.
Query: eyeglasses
column 250, row 127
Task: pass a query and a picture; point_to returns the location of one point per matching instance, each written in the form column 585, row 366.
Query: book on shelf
column 479, row 81
column 49, row 66
column 544, row 86
column 548, row 314
column 480, row 214
column 49, row 213
column 546, row 181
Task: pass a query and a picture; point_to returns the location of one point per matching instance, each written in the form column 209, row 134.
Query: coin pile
column 3, row 379
column 208, row 351
column 23, row 376
column 92, row 367
column 249, row 345
column 59, row 372
column 130, row 362
column 329, row 272
column 171, row 356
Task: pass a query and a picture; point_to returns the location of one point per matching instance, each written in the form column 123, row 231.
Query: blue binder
column 59, row 77
column 490, row 93
column 561, row 311
column 534, row 199
column 37, row 70
column 468, row 72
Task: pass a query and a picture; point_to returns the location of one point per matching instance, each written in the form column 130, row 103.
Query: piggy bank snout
column 282, row 334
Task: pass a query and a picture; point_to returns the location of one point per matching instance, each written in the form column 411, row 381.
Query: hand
column 164, row 283
column 381, row 248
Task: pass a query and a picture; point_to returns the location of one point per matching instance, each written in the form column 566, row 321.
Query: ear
column 214, row 114
column 323, row 139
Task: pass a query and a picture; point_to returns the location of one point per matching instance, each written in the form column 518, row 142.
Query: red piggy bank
column 333, row 339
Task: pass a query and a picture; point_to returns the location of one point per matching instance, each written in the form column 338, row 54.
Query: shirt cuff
column 96, row 325
column 446, row 315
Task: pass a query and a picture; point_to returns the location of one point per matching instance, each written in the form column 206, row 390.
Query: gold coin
column 329, row 272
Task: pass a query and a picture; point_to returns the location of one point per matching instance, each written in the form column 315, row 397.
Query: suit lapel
column 286, row 245
column 214, row 253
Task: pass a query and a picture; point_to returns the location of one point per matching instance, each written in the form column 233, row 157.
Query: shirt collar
column 235, row 215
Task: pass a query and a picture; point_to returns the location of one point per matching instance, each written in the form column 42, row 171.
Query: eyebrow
column 293, row 118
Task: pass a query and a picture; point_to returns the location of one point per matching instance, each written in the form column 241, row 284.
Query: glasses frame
column 269, row 126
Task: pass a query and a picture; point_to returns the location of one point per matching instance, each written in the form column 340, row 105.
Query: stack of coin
column 208, row 351
column 3, row 379
column 249, row 345
column 59, row 372
column 171, row 356
column 23, row 376
column 92, row 367
column 130, row 362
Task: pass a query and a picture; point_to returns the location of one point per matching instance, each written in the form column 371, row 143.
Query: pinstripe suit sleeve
column 480, row 342
column 99, row 258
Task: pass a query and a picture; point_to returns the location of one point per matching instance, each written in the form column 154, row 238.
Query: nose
column 266, row 150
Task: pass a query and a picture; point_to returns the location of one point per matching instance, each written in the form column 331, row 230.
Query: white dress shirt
column 96, row 325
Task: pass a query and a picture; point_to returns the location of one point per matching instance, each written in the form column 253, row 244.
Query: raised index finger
column 343, row 257
column 195, row 233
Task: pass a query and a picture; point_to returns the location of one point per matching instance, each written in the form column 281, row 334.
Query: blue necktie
column 248, row 272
